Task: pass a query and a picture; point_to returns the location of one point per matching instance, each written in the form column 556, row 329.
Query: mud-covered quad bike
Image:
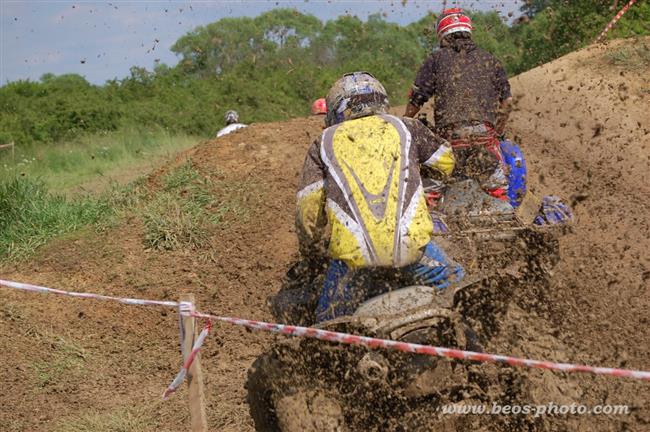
column 310, row 385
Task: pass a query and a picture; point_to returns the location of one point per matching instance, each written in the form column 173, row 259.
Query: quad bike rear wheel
column 260, row 384
column 280, row 400
column 309, row 410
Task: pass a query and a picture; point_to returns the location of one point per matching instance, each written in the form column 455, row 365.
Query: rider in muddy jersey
column 471, row 107
column 377, row 219
column 472, row 101
column 361, row 179
column 468, row 83
column 232, row 123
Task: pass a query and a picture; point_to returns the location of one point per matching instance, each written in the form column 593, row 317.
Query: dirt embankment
column 585, row 126
column 584, row 123
column 75, row 365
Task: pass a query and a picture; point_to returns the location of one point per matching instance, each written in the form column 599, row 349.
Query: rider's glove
column 553, row 212
column 435, row 269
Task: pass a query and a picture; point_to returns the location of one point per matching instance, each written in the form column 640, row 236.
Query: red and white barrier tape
column 187, row 309
column 369, row 342
column 125, row 300
column 614, row 20
column 178, row 380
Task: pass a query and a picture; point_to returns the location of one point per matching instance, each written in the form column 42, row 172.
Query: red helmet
column 451, row 21
column 319, row 107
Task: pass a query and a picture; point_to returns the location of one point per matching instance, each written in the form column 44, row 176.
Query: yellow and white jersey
column 363, row 179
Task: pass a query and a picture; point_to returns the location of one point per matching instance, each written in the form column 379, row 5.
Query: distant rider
column 471, row 91
column 362, row 179
column 319, row 107
column 232, row 123
column 472, row 103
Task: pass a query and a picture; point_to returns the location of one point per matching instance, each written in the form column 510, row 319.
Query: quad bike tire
column 298, row 409
column 310, row 411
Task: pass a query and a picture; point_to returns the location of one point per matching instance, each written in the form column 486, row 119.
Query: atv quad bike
column 310, row 385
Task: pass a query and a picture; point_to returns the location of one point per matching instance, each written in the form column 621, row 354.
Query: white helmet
column 355, row 95
column 231, row 117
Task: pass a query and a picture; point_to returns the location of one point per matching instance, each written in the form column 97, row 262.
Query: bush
column 273, row 66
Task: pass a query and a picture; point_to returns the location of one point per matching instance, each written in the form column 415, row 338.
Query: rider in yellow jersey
column 361, row 181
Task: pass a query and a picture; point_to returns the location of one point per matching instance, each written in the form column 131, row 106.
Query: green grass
column 30, row 215
column 179, row 216
column 172, row 224
column 633, row 55
column 182, row 214
column 68, row 359
column 126, row 419
column 52, row 190
column 91, row 162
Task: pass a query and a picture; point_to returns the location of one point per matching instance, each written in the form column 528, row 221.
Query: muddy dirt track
column 584, row 125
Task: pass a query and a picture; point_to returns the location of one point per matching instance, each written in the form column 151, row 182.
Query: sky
column 101, row 40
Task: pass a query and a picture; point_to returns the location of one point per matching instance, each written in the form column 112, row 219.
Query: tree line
column 272, row 66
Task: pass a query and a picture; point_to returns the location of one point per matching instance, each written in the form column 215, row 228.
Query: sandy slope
column 584, row 126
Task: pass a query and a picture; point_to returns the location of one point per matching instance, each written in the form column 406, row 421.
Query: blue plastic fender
column 514, row 158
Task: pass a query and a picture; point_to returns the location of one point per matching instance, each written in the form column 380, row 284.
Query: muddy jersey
column 362, row 179
column 467, row 82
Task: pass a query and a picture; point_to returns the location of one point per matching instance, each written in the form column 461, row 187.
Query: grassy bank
column 52, row 189
column 177, row 214
column 91, row 163
column 30, row 215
